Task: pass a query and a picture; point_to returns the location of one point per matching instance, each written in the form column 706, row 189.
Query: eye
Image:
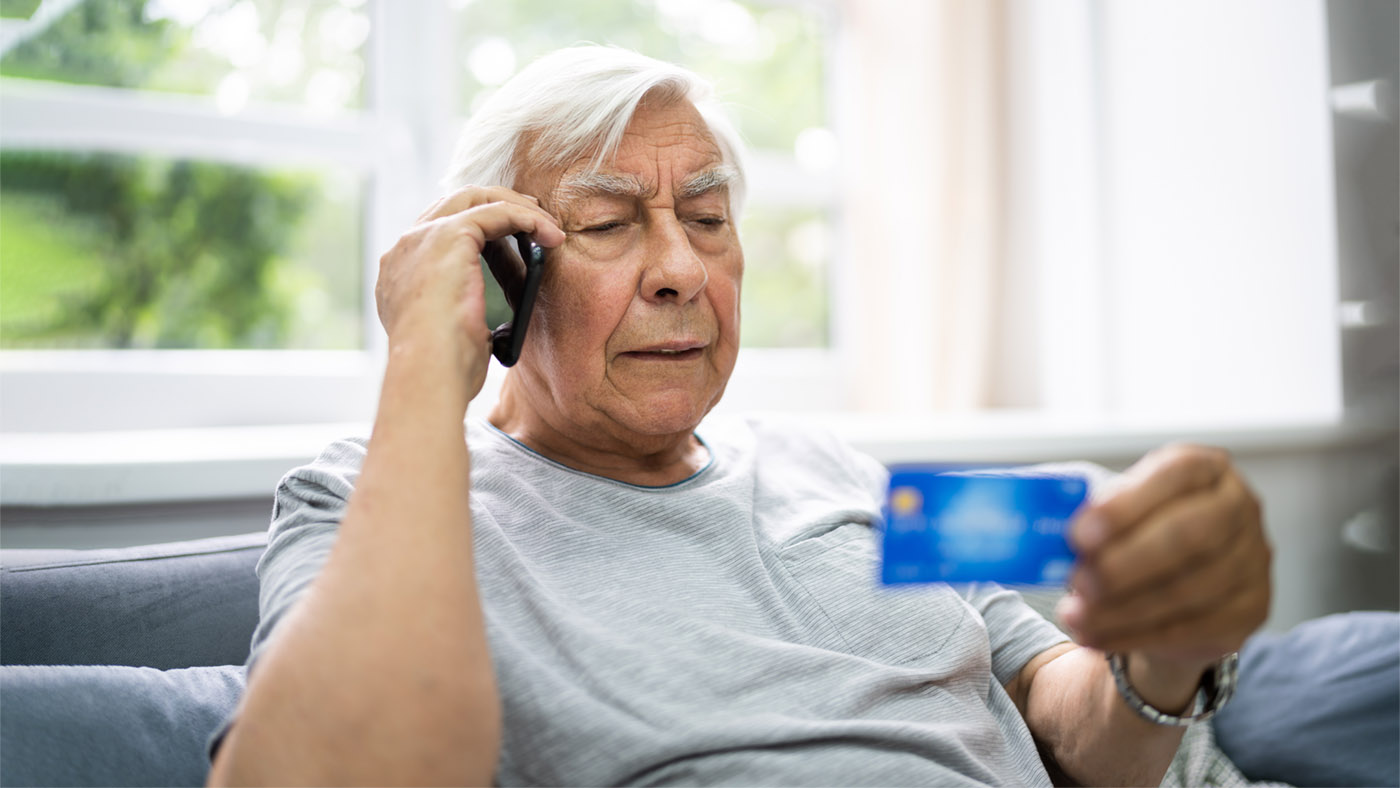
column 605, row 227
column 711, row 221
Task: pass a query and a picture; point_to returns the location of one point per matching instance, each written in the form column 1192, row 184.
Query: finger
column 1215, row 630
column 470, row 197
column 1186, row 532
column 1190, row 593
column 1157, row 478
column 494, row 220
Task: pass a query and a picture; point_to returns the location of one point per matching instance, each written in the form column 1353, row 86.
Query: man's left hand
column 1174, row 563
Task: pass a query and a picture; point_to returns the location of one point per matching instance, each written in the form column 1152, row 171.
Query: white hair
column 575, row 103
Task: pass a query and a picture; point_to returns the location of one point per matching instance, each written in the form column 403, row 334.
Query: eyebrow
column 715, row 178
column 602, row 184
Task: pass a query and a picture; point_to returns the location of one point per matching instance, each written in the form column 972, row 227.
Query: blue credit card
column 950, row 528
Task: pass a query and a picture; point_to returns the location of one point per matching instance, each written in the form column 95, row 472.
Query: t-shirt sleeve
column 307, row 509
column 306, row 513
column 1017, row 633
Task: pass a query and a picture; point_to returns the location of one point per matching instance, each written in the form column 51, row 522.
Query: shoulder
column 327, row 480
column 503, row 465
column 804, row 478
column 778, row 434
column 309, row 503
column 808, row 446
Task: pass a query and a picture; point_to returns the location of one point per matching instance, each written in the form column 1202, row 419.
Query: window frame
column 398, row 144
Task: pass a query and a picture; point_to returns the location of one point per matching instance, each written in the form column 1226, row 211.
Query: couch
column 117, row 665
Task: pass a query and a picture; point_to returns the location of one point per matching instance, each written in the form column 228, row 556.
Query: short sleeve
column 1016, row 632
column 309, row 504
column 306, row 513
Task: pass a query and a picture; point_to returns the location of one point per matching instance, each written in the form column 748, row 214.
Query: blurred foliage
column 18, row 9
column 124, row 252
column 767, row 60
column 105, row 43
column 784, row 301
column 114, row 251
column 295, row 51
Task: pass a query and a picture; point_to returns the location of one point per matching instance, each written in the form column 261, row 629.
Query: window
column 117, row 251
column 189, row 198
column 196, row 191
column 995, row 203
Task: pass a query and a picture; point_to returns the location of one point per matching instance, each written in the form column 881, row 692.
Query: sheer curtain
column 924, row 205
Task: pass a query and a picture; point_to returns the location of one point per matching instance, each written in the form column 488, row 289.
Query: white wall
column 1172, row 248
column 1219, row 208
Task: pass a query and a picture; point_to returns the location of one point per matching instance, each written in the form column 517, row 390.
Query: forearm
column 382, row 674
column 1075, row 712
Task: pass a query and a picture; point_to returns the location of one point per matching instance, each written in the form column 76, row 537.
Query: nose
column 674, row 272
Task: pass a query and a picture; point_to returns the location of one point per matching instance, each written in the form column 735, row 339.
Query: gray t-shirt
column 726, row 629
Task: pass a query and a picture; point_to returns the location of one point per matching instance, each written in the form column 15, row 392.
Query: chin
column 669, row 414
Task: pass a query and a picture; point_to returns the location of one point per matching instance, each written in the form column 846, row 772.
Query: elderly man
column 594, row 588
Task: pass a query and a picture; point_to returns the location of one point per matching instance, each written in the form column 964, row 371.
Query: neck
column 608, row 449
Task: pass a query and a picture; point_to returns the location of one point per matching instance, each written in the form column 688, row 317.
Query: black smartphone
column 517, row 263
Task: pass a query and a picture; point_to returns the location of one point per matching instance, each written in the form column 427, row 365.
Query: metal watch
column 1217, row 686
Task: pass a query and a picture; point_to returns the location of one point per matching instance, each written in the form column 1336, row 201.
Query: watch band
column 1217, row 686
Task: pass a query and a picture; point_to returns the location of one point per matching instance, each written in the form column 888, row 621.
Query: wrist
column 1215, row 688
column 1169, row 685
column 424, row 335
column 427, row 373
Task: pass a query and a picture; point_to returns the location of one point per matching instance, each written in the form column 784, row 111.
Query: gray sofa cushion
column 102, row 725
column 1319, row 705
column 172, row 605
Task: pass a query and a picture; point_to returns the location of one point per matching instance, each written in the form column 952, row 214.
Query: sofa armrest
column 102, row 725
column 173, row 605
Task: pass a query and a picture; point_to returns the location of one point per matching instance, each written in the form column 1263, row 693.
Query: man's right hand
column 430, row 289
column 335, row 698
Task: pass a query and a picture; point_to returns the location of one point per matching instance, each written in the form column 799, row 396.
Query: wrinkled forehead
column 665, row 146
column 668, row 123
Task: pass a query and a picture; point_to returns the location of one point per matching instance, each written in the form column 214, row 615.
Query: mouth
column 671, row 351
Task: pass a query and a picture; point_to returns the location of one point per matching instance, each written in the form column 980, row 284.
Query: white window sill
column 68, row 469
column 84, row 468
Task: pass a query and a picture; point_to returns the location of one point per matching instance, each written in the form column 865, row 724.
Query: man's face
column 636, row 327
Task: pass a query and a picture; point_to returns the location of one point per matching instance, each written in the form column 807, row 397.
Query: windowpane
column 785, row 299
column 767, row 61
column 308, row 52
column 108, row 251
